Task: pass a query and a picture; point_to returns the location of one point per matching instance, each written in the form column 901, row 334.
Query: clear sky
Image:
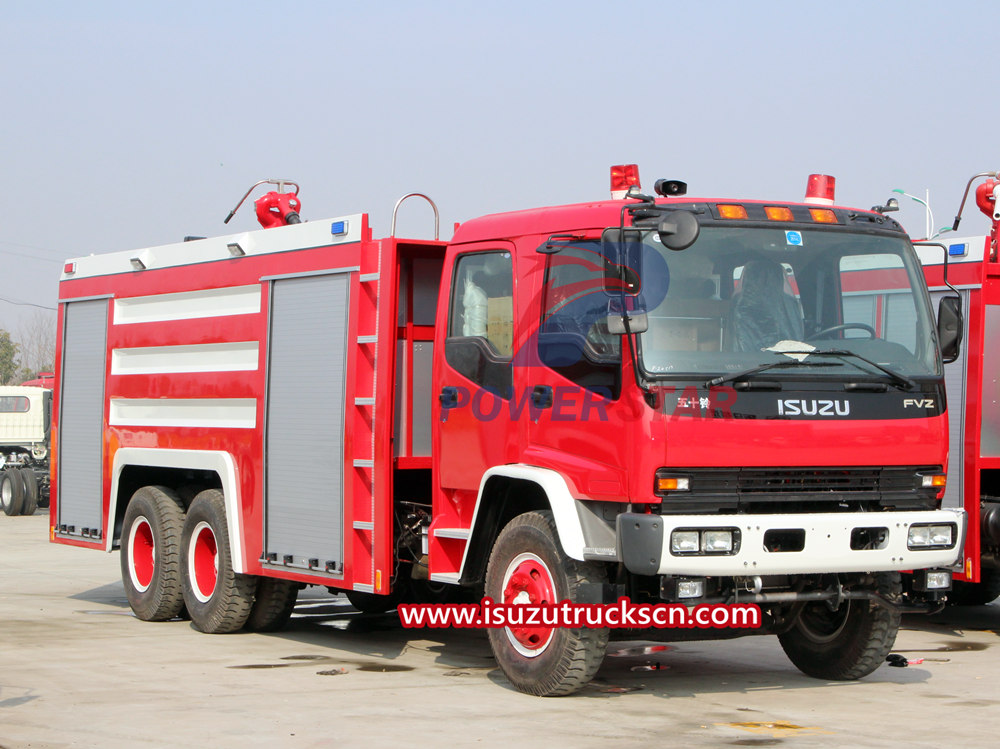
column 131, row 124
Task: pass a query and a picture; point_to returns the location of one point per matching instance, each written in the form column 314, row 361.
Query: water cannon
column 986, row 200
column 275, row 208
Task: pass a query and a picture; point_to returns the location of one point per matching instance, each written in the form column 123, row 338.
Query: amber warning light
column 820, row 189
column 623, row 177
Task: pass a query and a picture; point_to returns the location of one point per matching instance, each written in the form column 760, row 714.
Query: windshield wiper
column 901, row 381
column 770, row 365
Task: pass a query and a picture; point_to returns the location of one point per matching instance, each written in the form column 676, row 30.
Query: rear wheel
column 11, row 491
column 528, row 566
column 150, row 553
column 273, row 604
column 217, row 599
column 848, row 643
column 30, row 491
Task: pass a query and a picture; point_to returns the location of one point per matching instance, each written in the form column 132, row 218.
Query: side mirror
column 949, row 326
column 678, row 230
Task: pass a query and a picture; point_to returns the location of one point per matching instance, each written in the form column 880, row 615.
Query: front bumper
column 644, row 543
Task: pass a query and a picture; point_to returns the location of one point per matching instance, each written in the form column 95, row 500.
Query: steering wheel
column 846, row 326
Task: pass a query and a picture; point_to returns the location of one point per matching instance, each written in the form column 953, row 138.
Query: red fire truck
column 972, row 388
column 665, row 398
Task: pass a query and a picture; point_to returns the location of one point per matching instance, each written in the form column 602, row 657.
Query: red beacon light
column 624, row 176
column 820, row 189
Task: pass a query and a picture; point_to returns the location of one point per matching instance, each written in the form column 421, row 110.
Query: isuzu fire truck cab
column 667, row 398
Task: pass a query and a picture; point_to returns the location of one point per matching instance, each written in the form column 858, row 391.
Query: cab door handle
column 541, row 396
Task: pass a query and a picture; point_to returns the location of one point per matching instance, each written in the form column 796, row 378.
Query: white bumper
column 644, row 543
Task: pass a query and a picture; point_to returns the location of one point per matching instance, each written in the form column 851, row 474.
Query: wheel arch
column 177, row 469
column 510, row 490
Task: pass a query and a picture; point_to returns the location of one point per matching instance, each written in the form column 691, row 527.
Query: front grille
column 784, row 490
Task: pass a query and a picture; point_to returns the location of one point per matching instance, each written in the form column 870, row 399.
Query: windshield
column 723, row 305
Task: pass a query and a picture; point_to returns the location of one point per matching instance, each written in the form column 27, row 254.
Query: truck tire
column 976, row 594
column 527, row 565
column 846, row 644
column 218, row 599
column 272, row 605
column 11, row 491
column 150, row 554
column 30, row 491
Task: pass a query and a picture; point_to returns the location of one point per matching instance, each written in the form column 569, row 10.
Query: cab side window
column 481, row 320
column 573, row 336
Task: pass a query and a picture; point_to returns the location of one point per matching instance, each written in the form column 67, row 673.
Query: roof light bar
column 778, row 213
column 732, row 211
column 823, row 216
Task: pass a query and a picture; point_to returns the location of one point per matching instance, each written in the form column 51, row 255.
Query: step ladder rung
column 364, row 463
column 364, row 401
column 458, row 533
column 367, row 339
column 368, row 277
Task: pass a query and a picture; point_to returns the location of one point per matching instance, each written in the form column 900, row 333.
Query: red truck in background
column 665, row 398
column 973, row 388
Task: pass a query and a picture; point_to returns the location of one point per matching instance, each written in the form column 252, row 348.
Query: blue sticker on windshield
column 794, row 238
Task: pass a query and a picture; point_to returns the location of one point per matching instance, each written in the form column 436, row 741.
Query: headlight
column 685, row 542
column 930, row 537
column 717, row 541
column 705, row 541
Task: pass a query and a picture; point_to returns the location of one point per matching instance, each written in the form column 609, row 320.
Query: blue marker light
column 338, row 228
column 958, row 250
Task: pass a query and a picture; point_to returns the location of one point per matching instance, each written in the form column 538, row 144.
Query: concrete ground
column 77, row 669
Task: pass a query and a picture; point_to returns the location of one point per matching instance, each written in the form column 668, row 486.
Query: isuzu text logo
column 813, row 407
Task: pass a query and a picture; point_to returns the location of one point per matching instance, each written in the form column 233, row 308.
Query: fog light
column 685, row 542
column 938, row 580
column 928, row 581
column 690, row 588
column 717, row 542
column 929, row 536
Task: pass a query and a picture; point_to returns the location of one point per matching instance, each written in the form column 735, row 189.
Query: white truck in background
column 25, row 423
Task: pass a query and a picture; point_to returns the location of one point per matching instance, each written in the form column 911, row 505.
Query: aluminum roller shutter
column 81, row 417
column 304, row 441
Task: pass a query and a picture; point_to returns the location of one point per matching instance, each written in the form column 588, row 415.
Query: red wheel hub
column 528, row 581
column 142, row 552
column 204, row 562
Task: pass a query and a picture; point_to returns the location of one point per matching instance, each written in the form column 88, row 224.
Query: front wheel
column 848, row 643
column 11, row 491
column 218, row 599
column 528, row 566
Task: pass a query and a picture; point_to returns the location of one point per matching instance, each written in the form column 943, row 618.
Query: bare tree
column 36, row 339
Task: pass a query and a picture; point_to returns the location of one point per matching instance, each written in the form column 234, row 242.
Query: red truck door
column 474, row 377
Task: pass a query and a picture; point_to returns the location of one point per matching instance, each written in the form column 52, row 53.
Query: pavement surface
column 78, row 670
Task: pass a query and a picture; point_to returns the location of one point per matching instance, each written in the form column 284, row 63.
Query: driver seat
column 763, row 313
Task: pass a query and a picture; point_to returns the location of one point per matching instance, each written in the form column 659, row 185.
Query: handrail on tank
column 437, row 218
